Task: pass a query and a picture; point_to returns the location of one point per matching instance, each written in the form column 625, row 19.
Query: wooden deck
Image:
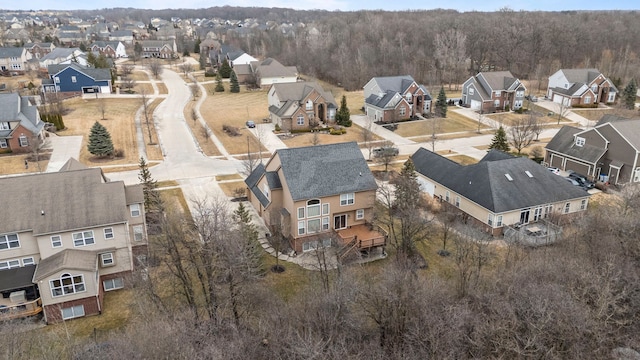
column 9, row 310
column 363, row 236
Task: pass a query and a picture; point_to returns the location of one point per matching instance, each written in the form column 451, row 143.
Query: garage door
column 556, row 161
column 557, row 98
column 581, row 169
column 475, row 105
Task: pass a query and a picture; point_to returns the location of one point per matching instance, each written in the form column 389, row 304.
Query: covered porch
column 20, row 297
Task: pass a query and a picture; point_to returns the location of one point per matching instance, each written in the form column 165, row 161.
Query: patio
column 533, row 234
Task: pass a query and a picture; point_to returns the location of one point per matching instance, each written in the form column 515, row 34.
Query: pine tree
column 196, row 46
column 202, row 61
column 629, row 95
column 343, row 116
column 152, row 199
column 219, row 85
column 234, row 87
column 499, row 141
column 100, row 143
column 407, row 189
column 441, row 104
column 225, row 69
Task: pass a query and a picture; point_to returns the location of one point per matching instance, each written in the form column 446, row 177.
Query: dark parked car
column 582, row 180
column 385, row 151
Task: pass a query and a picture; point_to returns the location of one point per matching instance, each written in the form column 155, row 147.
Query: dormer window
column 471, row 90
column 580, row 141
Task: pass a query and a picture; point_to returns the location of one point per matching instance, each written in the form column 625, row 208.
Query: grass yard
column 508, row 118
column 140, row 88
column 228, row 177
column 139, row 76
column 454, row 122
column 14, row 164
column 199, row 132
column 596, row 114
column 119, row 114
column 354, row 133
column 231, row 188
column 162, row 88
column 463, row 159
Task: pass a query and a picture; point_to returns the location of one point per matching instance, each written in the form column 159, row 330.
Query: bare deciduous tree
column 521, row 132
column 147, row 115
column 155, row 67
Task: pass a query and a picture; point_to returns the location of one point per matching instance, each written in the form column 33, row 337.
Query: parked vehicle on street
column 251, row 124
column 385, row 151
column 582, row 180
column 554, row 170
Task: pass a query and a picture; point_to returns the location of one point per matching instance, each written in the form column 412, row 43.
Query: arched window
column 313, row 208
column 309, row 105
column 67, row 284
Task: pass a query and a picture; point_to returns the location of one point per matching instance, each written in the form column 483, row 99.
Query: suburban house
column 38, row 50
column 495, row 90
column 300, row 105
column 269, row 71
column 393, row 98
column 208, row 47
column 60, row 260
column 63, row 55
column 125, row 36
column 19, row 123
column 77, row 79
column 159, row 49
column 317, row 196
column 232, row 55
column 610, row 151
column 13, row 60
column 499, row 190
column 580, row 87
column 110, row 49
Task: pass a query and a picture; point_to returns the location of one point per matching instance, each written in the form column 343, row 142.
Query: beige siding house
column 394, row 98
column 317, row 196
column 67, row 251
column 301, row 105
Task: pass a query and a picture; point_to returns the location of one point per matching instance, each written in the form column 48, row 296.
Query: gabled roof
column 252, row 184
column 297, row 91
column 398, row 83
column 629, row 129
column 487, row 185
column 121, row 33
column 564, row 143
column 103, row 44
column 581, row 75
column 95, row 74
column 15, row 107
column 325, row 170
column 242, row 69
column 59, row 52
column 270, row 67
column 7, row 52
column 68, row 259
column 383, row 101
column 498, row 80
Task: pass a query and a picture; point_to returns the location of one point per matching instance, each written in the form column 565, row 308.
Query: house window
column 490, row 219
column 498, row 93
column 28, row 261
column 313, row 245
column 587, row 99
column 426, row 106
column 447, row 196
column 23, row 141
column 567, row 207
column 579, row 141
column 313, row 208
column 313, row 226
column 636, row 175
column 66, row 285
column 113, row 284
column 83, row 238
column 325, row 209
column 135, row 210
column 612, row 97
column 5, row 125
column 73, row 79
column 359, row 214
column 457, row 201
column 108, row 233
column 325, row 223
column 403, row 111
column 106, row 259
column 499, row 221
column 340, row 222
column 73, row 312
column 265, row 190
column 537, row 214
column 496, row 103
column 3, row 144
column 138, row 233
column 347, row 199
column 301, row 227
column 309, row 105
column 56, row 241
column 300, row 120
column 471, row 91
column 9, row 241
column 9, row 264
column 547, row 210
column 16, row 66
column 583, row 204
column 300, row 213
column 56, row 80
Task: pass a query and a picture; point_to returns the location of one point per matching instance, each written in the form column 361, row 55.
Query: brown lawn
column 596, row 114
column 454, row 122
column 228, row 177
column 232, row 187
column 14, row 163
column 162, row 88
column 120, row 114
column 139, row 76
column 146, row 88
column 466, row 134
column 207, row 146
column 354, row 133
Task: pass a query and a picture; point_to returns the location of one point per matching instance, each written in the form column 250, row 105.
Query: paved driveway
column 64, row 147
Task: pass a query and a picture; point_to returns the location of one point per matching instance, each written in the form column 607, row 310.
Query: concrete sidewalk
column 64, row 147
column 264, row 133
column 363, row 122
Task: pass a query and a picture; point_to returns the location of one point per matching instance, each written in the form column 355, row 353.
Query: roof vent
column 529, row 174
column 508, row 177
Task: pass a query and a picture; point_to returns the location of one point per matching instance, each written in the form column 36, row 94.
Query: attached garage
column 476, row 105
column 578, row 167
column 556, row 161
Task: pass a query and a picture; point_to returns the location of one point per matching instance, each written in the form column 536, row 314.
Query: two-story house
column 110, row 49
column 159, row 49
column 78, row 79
column 490, row 91
column 393, row 98
column 580, row 87
column 125, row 36
column 82, row 233
column 317, row 196
column 270, row 71
column 19, row 123
column 610, row 151
column 39, row 50
column 13, row 60
column 300, row 105
column 61, row 55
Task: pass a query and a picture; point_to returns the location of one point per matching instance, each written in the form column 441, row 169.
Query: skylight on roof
column 508, row 177
column 529, row 174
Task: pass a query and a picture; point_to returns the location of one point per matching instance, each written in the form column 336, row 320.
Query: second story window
column 471, row 91
column 56, row 241
column 9, row 241
column 73, row 79
column 5, row 125
column 108, row 233
column 83, row 238
column 580, row 141
column 300, row 120
column 135, row 210
column 309, row 105
column 313, row 208
column 347, row 199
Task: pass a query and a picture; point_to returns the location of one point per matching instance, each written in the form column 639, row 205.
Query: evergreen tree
column 247, row 228
column 83, row 47
column 233, row 83
column 100, row 143
column 441, row 104
column 202, row 61
column 412, row 227
column 225, row 69
column 343, row 116
column 152, row 199
column 91, row 58
column 219, row 85
column 137, row 49
column 499, row 141
column 196, row 46
column 629, row 95
column 407, row 190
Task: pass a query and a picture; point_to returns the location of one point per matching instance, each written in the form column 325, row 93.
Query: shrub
column 118, row 153
column 300, row 131
column 277, row 127
column 209, row 73
column 506, row 108
column 230, row 130
column 337, row 131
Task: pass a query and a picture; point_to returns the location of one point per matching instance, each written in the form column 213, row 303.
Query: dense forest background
column 435, row 47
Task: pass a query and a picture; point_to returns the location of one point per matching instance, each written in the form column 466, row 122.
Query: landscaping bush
column 585, row 106
column 337, row 131
column 118, row 153
column 209, row 73
column 277, row 128
column 300, row 131
column 230, row 130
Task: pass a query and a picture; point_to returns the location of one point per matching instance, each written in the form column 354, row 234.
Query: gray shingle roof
column 564, row 143
column 630, row 129
column 270, row 67
column 499, row 80
column 485, row 183
column 15, row 107
column 394, row 83
column 59, row 52
column 252, row 184
column 381, row 101
column 325, row 170
column 580, row 75
column 95, row 74
column 16, row 278
column 7, row 52
column 68, row 259
column 299, row 90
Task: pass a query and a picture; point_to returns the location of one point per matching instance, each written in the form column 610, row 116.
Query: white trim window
column 107, row 259
column 457, row 201
column 313, row 226
column 309, row 105
column 28, row 261
column 347, row 199
column 301, row 213
column 67, row 285
column 490, row 219
column 587, row 99
column 138, row 233
column 113, row 284
column 359, row 214
column 300, row 120
column 583, row 204
column 325, row 223
column 471, row 90
column 447, row 196
column 325, row 209
column 580, row 141
column 499, row 221
column 135, row 210
column 56, row 241
column 9, row 241
column 24, row 142
column 108, row 233
column 636, row 175
column 567, row 208
column 403, row 111
column 3, row 144
column 74, row 79
column 9, row 264
column 301, row 228
column 313, row 208
column 73, row 312
column 83, row 238
column 4, row 125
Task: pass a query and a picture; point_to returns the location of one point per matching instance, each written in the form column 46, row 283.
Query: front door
column 340, row 222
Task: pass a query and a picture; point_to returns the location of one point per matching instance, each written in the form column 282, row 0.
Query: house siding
column 92, row 306
column 66, row 84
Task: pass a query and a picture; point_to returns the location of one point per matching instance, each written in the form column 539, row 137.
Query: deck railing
column 24, row 309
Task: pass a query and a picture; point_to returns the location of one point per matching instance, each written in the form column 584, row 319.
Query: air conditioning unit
column 18, row 296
